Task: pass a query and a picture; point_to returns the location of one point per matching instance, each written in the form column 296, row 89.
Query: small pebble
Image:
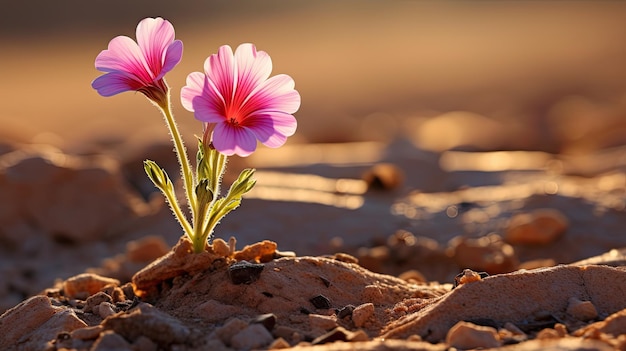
column 464, row 335
column 581, row 310
column 244, row 272
column 345, row 311
column 320, row 302
column 105, row 310
column 362, row 313
column 84, row 285
column 87, row 333
column 372, row 293
column 268, row 320
column 539, row 227
column 318, row 321
column 220, row 247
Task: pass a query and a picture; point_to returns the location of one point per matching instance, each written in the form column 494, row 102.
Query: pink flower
column 239, row 103
column 139, row 66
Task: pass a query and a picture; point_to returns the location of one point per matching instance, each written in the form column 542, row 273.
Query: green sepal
column 243, row 184
column 204, row 192
column 157, row 175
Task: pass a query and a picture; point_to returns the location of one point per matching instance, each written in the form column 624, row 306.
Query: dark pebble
column 244, row 272
column 345, row 311
column 268, row 320
column 320, row 301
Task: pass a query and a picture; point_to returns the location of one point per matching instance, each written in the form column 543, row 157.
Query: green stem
column 171, row 199
column 181, row 153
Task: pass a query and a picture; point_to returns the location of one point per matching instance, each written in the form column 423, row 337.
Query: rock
column 322, row 322
column 513, row 297
column 96, row 299
column 244, row 272
column 105, row 310
column 539, row 227
column 226, row 332
column 35, row 322
column 373, row 294
column 464, row 335
column 259, row 252
column 614, row 325
column 148, row 321
column 86, row 284
column 384, row 176
column 489, row 253
column 87, row 333
column 320, row 302
column 362, row 314
column 267, row 320
column 337, row 334
column 254, row 336
column 72, row 199
column 581, row 310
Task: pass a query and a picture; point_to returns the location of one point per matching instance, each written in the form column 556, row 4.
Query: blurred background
column 545, row 76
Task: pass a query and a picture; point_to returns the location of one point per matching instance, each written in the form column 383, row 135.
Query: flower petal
column 114, row 83
column 231, row 140
column 275, row 94
column 123, row 55
column 200, row 97
column 173, row 55
column 272, row 128
column 154, row 36
column 252, row 69
column 220, row 69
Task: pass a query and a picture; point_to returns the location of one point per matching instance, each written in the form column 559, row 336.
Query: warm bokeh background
column 547, row 76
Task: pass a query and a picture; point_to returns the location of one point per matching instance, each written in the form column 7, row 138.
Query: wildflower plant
column 235, row 98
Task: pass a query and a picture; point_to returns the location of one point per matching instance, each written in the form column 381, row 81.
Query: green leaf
column 243, row 184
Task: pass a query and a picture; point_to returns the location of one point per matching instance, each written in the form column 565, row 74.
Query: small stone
column 468, row 276
column 318, row 321
column 337, row 334
column 345, row 311
column 384, row 176
column 252, row 337
column 581, row 310
column 362, row 313
column 259, row 252
column 267, row 320
column 464, row 335
column 96, row 299
column 614, row 325
column 278, row 344
column 488, row 253
column 539, row 227
column 84, row 285
column 105, row 310
column 320, row 302
column 344, row 257
column 220, row 247
column 244, row 272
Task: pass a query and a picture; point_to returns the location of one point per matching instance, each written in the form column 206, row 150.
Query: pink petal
column 231, row 140
column 123, row 55
column 220, row 69
column 154, row 35
column 173, row 55
column 115, row 83
column 252, row 69
column 276, row 94
column 272, row 128
column 200, row 97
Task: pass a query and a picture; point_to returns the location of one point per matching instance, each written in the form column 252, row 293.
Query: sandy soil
column 435, row 143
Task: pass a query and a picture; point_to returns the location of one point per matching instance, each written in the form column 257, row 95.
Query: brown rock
column 84, row 285
column 613, row 325
column 254, row 336
column 362, row 314
column 465, row 335
column 539, row 227
column 512, row 298
column 581, row 310
column 109, row 340
column 489, row 253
